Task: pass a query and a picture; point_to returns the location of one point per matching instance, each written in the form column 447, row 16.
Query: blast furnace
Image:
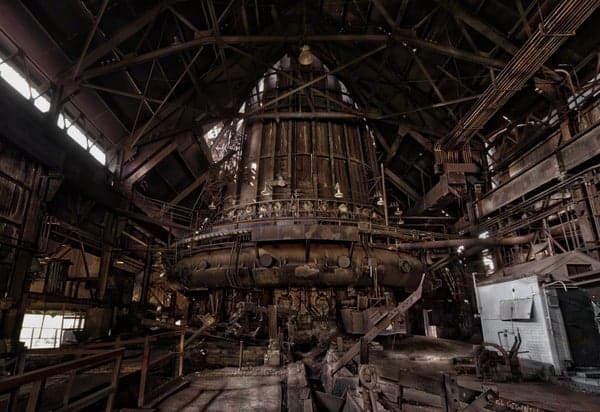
column 301, row 221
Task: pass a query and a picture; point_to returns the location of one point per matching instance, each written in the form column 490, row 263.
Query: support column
column 19, row 283
column 147, row 276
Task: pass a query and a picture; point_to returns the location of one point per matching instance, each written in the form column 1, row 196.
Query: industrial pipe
column 434, row 244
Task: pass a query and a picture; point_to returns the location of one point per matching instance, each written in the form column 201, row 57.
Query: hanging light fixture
column 281, row 181
column 267, row 190
column 305, row 57
column 398, row 212
column 380, row 201
column 212, row 205
column 338, row 193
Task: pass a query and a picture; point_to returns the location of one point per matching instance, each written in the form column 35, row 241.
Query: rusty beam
column 567, row 157
column 402, row 185
column 555, row 29
column 485, row 29
column 207, row 38
column 90, row 37
column 408, row 37
column 119, row 37
column 198, row 181
column 431, row 199
column 151, row 162
column 319, row 78
column 137, row 134
column 479, row 25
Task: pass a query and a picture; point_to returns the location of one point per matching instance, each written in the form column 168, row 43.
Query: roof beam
column 120, row 36
column 166, row 110
column 151, row 162
column 556, row 28
column 402, row 185
column 204, row 176
column 484, row 28
column 318, row 79
column 408, row 37
column 90, row 37
column 405, row 128
column 207, row 38
column 188, row 190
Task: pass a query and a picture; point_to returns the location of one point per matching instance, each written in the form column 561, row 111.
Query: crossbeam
column 206, row 37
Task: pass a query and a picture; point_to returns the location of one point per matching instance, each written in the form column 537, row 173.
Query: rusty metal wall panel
column 534, row 156
column 579, row 150
column 542, row 173
column 582, row 150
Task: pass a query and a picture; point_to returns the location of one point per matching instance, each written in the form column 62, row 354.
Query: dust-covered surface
column 230, row 389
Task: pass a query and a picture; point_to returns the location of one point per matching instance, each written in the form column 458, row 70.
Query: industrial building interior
column 270, row 205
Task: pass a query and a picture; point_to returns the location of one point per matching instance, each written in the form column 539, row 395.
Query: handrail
column 238, row 228
column 38, row 379
column 99, row 354
column 133, row 341
column 148, row 363
column 16, row 381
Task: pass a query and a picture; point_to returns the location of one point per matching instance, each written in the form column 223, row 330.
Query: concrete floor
column 429, row 355
column 261, row 388
column 224, row 390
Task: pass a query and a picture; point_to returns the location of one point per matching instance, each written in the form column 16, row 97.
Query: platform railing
column 37, row 380
column 146, row 397
column 148, row 363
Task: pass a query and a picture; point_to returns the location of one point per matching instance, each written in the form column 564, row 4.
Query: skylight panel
column 13, row 78
column 42, row 104
column 76, row 134
column 98, row 154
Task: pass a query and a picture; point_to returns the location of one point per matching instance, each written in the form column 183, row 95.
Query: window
column 15, row 79
column 50, row 329
column 76, row 134
column 41, row 102
column 574, row 269
column 516, row 309
column 98, row 154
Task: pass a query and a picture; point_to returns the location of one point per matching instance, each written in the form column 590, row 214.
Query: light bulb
column 281, row 181
column 305, row 58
